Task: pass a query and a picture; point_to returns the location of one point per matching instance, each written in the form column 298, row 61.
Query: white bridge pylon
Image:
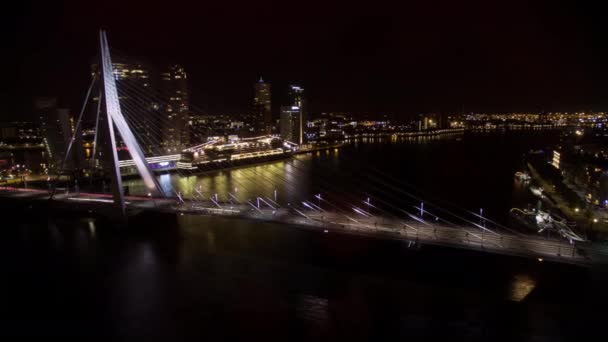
column 116, row 119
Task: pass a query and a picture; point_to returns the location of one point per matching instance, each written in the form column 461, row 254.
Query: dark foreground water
column 199, row 278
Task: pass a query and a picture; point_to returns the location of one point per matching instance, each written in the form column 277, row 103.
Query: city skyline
column 351, row 58
column 302, row 171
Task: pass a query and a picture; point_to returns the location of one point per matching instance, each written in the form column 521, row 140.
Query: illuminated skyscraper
column 156, row 104
column 262, row 107
column 296, row 97
column 175, row 129
column 291, row 124
column 292, row 116
column 56, row 131
column 139, row 104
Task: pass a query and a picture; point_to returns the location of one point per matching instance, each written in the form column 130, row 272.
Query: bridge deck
column 412, row 231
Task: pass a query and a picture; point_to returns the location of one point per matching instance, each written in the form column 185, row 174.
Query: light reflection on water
column 521, row 286
column 288, row 177
column 313, row 308
column 247, row 273
column 206, row 276
column 454, row 169
column 92, row 228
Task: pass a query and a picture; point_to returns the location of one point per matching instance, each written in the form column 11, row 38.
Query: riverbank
column 583, row 217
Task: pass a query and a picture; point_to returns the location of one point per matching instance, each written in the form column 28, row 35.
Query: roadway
column 414, row 230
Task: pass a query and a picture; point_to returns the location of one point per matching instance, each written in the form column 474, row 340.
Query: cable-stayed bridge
column 414, row 232
column 382, row 215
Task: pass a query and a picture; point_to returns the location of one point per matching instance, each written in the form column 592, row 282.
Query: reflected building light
column 521, row 286
column 313, row 309
column 165, row 182
column 92, row 228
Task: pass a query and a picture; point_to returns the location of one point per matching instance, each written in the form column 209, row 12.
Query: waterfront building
column 134, row 81
column 262, row 107
column 175, row 128
column 156, row 104
column 56, row 131
column 291, row 124
column 295, row 95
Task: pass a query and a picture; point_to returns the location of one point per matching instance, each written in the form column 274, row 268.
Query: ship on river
column 222, row 152
column 219, row 152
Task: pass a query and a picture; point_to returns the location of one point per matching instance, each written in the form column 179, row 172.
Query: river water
column 457, row 173
column 205, row 278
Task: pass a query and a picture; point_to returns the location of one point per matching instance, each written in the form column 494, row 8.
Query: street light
column 591, row 225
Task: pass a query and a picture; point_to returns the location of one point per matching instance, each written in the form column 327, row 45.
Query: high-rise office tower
column 262, row 107
column 291, row 124
column 176, row 111
column 295, row 95
column 292, row 116
column 139, row 103
column 56, row 132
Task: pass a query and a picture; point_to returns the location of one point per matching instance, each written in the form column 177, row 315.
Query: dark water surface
column 203, row 278
column 459, row 173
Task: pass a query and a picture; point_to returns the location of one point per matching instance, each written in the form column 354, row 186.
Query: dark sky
column 364, row 57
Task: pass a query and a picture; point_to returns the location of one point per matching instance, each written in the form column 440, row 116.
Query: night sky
column 362, row 57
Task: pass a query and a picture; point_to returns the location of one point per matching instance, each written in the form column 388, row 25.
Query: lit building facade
column 142, row 110
column 156, row 105
column 176, row 111
column 291, row 124
column 295, row 95
column 292, row 116
column 262, row 107
column 55, row 130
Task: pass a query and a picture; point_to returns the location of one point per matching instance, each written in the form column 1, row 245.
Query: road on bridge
column 414, row 230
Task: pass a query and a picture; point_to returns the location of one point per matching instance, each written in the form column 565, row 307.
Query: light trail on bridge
column 414, row 231
column 335, row 209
